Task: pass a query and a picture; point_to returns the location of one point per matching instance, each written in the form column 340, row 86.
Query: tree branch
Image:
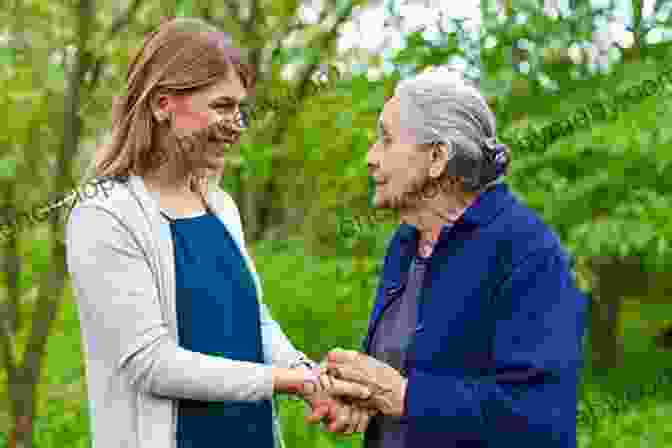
column 248, row 26
column 123, row 19
column 118, row 24
column 322, row 41
column 659, row 4
column 6, row 344
column 234, row 7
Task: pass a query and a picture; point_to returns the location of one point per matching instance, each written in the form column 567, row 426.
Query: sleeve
column 278, row 350
column 123, row 325
column 536, row 353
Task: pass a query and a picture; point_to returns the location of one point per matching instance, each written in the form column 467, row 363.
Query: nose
column 372, row 158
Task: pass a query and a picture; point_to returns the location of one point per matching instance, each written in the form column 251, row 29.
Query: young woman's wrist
column 292, row 381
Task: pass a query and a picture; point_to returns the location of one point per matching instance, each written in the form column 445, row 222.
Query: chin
column 216, row 164
column 381, row 202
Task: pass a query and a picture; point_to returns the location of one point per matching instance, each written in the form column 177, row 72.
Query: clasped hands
column 352, row 388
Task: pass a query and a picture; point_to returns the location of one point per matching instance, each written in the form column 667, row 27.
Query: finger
column 340, row 356
column 325, row 382
column 349, row 373
column 309, row 388
column 361, row 422
column 350, row 388
column 356, row 416
column 342, row 420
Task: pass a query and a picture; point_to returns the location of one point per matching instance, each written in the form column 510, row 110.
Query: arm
column 539, row 322
column 122, row 320
column 278, row 350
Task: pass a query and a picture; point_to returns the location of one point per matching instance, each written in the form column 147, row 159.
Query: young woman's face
column 206, row 120
column 198, row 110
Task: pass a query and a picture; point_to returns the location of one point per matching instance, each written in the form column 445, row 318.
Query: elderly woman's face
column 395, row 162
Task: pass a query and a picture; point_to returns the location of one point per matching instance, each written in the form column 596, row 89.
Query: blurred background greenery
column 605, row 188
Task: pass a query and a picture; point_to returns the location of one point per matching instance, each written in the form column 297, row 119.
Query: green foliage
column 605, row 188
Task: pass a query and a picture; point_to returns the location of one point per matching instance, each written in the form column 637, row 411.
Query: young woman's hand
column 303, row 381
column 298, row 381
column 313, row 387
column 340, row 414
column 341, row 417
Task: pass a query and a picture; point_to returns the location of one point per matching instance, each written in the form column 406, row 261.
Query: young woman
column 180, row 349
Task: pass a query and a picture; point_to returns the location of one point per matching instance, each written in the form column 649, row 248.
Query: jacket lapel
column 394, row 276
column 164, row 257
column 226, row 211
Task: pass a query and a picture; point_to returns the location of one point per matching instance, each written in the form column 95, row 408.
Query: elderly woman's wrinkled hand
column 387, row 385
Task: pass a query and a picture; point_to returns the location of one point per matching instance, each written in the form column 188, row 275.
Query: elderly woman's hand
column 387, row 385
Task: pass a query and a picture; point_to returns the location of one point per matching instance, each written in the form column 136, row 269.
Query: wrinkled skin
column 387, row 385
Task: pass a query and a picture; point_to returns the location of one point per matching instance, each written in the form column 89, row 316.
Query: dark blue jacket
column 497, row 354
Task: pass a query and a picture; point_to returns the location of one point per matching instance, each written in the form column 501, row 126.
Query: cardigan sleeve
column 538, row 328
column 122, row 322
column 278, row 350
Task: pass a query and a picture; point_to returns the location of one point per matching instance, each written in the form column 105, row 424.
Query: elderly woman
column 180, row 349
column 475, row 335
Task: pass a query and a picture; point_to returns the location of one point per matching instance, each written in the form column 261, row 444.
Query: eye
column 225, row 106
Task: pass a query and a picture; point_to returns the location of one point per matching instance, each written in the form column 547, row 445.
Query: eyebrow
column 243, row 99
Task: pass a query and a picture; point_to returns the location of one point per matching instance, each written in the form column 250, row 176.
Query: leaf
column 7, row 56
column 184, row 8
column 8, row 167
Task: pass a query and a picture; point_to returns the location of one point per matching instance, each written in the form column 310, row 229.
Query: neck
column 430, row 215
column 168, row 179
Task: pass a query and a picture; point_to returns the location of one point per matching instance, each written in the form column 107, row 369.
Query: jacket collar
column 481, row 212
column 221, row 204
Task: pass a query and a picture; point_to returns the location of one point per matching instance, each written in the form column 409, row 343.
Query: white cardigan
column 121, row 262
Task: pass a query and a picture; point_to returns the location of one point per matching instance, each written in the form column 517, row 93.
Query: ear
column 162, row 104
column 440, row 154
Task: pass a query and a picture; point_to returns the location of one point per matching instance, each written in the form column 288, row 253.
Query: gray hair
column 440, row 106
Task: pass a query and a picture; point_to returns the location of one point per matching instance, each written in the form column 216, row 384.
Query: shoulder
column 224, row 202
column 108, row 199
column 520, row 232
column 226, row 205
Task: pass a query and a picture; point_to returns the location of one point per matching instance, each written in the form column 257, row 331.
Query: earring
column 163, row 118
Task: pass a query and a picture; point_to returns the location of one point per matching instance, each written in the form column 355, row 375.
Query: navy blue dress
column 218, row 315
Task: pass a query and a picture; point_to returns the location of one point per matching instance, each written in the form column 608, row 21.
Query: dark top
column 218, row 315
column 497, row 353
column 390, row 343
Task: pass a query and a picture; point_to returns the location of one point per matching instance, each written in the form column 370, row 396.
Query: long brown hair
column 180, row 56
